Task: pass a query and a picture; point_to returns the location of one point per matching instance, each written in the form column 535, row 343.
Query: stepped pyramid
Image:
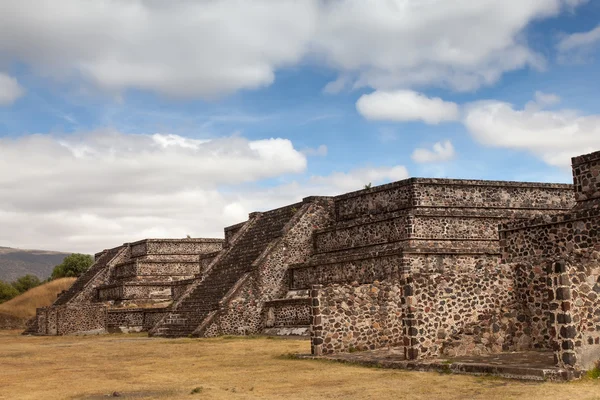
column 250, row 271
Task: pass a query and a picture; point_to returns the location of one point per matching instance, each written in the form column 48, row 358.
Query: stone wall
column 448, row 301
column 133, row 320
column 363, row 270
column 287, row 312
column 565, row 250
column 243, row 310
column 151, row 269
column 391, row 229
column 72, row 319
column 423, row 192
column 231, row 231
column 175, row 246
column 357, row 317
column 586, row 178
column 146, row 291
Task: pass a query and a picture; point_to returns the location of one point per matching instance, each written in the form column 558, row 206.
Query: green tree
column 73, row 266
column 26, row 282
column 7, row 291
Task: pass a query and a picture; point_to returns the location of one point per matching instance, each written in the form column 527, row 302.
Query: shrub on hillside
column 26, row 282
column 7, row 291
column 73, row 266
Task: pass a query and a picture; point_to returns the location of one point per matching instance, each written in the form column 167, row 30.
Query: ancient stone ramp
column 203, row 299
column 100, row 264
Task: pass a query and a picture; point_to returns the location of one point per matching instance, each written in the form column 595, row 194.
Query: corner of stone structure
column 411, row 340
column 560, row 316
column 316, row 335
column 586, row 180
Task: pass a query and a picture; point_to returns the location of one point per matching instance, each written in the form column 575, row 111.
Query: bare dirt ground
column 137, row 367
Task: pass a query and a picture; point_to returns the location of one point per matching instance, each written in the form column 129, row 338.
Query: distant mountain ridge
column 15, row 263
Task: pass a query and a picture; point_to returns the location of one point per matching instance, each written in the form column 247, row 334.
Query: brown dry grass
column 225, row 368
column 23, row 306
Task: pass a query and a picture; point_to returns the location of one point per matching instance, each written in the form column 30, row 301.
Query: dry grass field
column 15, row 312
column 138, row 367
column 24, row 306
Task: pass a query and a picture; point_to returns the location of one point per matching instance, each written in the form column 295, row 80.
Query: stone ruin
column 435, row 267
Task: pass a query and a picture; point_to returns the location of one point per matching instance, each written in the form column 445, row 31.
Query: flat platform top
column 586, row 158
column 527, row 365
column 458, row 182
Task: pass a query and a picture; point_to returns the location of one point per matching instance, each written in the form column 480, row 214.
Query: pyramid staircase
column 202, row 300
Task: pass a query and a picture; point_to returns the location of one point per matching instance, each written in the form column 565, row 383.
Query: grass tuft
column 594, row 373
column 197, row 389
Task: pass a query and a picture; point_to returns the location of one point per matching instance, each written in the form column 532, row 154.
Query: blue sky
column 124, row 120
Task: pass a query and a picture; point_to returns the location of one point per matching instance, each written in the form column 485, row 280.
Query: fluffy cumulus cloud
column 75, row 192
column 181, row 48
column 94, row 190
column 553, row 135
column 10, row 90
column 579, row 46
column 406, row 105
column 460, row 44
column 441, row 151
column 211, row 48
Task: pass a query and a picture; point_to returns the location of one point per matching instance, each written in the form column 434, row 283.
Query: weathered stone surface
column 435, row 267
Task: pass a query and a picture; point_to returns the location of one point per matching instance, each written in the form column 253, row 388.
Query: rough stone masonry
column 437, row 267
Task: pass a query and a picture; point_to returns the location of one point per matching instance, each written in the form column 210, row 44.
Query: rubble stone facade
column 437, row 267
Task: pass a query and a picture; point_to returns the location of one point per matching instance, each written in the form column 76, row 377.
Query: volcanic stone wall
column 362, row 270
column 565, row 250
column 586, row 177
column 248, row 307
column 357, row 317
column 70, row 319
column 83, row 289
column 424, row 192
column 133, row 320
column 375, row 226
column 434, row 243
column 152, row 266
column 447, row 302
column 175, row 246
column 138, row 273
column 288, row 312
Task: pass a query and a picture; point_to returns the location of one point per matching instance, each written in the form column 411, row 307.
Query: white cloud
column 460, row 44
column 320, row 151
column 406, row 105
column 554, row 136
column 10, row 90
column 579, row 40
column 211, row 48
column 340, row 182
column 182, row 48
column 95, row 190
column 441, row 151
column 340, row 83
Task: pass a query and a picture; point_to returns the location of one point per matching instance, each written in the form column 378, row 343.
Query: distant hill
column 15, row 263
column 15, row 313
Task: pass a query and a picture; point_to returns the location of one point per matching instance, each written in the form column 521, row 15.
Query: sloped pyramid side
column 204, row 297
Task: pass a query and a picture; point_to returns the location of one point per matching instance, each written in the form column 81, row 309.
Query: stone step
column 263, row 229
column 292, row 330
